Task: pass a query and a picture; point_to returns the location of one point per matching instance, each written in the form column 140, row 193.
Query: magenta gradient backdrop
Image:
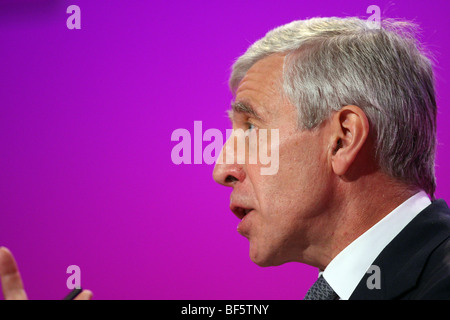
column 86, row 118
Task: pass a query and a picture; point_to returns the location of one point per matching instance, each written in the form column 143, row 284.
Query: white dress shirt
column 347, row 269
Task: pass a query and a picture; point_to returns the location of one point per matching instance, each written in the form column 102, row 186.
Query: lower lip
column 241, row 225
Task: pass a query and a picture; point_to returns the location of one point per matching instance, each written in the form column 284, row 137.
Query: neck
column 357, row 207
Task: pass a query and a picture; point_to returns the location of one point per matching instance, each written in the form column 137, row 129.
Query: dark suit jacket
column 416, row 263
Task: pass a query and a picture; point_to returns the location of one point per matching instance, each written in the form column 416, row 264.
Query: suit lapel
column 403, row 259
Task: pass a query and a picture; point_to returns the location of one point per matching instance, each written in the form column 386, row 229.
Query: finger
column 12, row 285
column 84, row 295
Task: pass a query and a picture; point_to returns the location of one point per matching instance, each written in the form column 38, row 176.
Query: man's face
column 280, row 212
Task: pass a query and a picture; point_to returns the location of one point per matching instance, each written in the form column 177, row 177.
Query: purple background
column 86, row 118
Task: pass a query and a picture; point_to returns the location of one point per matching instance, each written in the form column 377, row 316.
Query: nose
column 226, row 173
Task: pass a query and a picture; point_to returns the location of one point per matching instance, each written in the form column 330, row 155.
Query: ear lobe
column 351, row 129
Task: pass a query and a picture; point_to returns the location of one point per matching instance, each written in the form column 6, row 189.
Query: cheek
column 303, row 163
column 300, row 183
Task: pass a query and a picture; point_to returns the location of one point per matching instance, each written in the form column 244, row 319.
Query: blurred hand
column 12, row 285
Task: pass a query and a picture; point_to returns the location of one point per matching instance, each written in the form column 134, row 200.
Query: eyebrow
column 242, row 107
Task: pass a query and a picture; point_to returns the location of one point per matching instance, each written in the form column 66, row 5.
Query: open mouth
column 241, row 212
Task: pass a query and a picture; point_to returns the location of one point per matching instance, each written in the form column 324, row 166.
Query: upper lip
column 239, row 210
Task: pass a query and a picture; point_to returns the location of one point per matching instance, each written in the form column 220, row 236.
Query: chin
column 263, row 258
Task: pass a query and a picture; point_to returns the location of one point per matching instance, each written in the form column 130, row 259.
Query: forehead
column 261, row 86
column 266, row 72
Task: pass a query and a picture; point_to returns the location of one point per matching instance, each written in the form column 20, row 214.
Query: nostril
column 230, row 179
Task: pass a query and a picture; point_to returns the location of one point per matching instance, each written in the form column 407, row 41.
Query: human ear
column 350, row 129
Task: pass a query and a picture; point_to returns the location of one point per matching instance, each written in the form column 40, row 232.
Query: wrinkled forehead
column 267, row 71
column 260, row 92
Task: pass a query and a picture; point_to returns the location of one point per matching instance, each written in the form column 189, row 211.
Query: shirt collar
column 346, row 270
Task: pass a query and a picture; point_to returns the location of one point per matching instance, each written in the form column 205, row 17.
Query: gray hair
column 333, row 62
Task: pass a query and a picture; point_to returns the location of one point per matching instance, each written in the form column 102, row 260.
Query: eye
column 250, row 126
